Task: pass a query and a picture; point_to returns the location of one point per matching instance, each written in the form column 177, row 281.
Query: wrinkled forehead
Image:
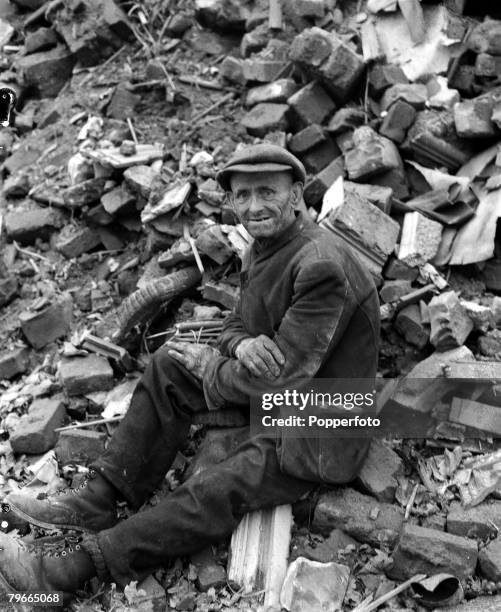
column 243, row 180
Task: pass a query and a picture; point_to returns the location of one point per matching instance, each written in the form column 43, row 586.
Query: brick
column 123, row 102
column 16, row 185
column 232, row 69
column 319, row 157
column 266, row 117
column 379, row 196
column 79, row 446
column 410, row 324
column 307, row 138
column 395, row 179
column 81, row 375
column 261, row 70
column 311, row 104
column 372, row 154
column 25, row 226
column 97, row 215
column 13, row 362
column 316, row 187
column 214, row 243
column 210, row 574
column 221, row 293
column 427, row 551
column 489, row 560
column 40, row 40
column 384, row 76
column 478, row 522
column 311, row 586
column 392, row 290
column 34, row 433
column 380, row 471
column 450, row 325
column 74, row 240
column 473, row 118
column 255, row 40
column 397, row 121
column 420, row 239
column 314, row 9
column 327, row 57
column 414, row 94
column 396, row 269
column 140, row 179
column 482, row 316
column 119, row 200
column 488, row 65
column 83, row 193
column 361, row 516
column 486, row 37
column 323, row 551
column 277, row 91
column 476, row 414
column 8, row 290
column 46, row 71
column 49, row 324
column 345, row 119
column 490, row 344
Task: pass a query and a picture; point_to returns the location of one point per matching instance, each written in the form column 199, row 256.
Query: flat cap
column 261, row 158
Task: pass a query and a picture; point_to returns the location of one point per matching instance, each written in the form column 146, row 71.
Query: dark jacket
column 307, row 291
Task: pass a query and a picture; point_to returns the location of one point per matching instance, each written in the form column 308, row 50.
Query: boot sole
column 45, row 525
column 7, row 589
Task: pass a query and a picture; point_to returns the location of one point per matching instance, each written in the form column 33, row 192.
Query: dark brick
column 74, row 240
column 307, row 138
column 397, row 121
column 79, row 446
column 415, row 94
column 345, row 119
column 46, row 71
column 25, row 226
column 311, row 104
column 318, row 158
column 266, row 117
column 13, row 362
column 34, row 432
column 81, row 375
column 371, row 155
column 316, row 187
column 48, row 324
column 383, row 76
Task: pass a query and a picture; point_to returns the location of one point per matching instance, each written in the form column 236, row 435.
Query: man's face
column 264, row 201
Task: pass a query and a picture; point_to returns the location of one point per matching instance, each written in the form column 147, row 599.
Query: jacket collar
column 268, row 246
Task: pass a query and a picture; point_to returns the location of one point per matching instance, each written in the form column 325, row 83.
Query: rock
column 140, row 179
column 255, row 40
column 222, row 293
column 122, row 103
column 487, row 66
column 178, row 24
column 80, row 446
column 326, row 550
column 319, row 157
column 327, row 57
column 473, row 118
column 420, row 239
column 277, row 92
column 266, row 117
column 392, row 290
column 482, row 316
column 427, row 551
column 261, row 70
column 478, row 522
column 311, row 104
column 450, row 324
column 25, row 226
column 317, row 186
column 486, row 37
column 214, row 243
column 74, row 240
column 34, row 433
column 8, row 290
column 397, row 121
column 46, row 71
column 232, row 69
column 49, row 324
column 409, row 323
column 413, row 94
column 83, row 193
column 490, row 343
column 119, row 200
column 81, row 375
column 398, row 270
column 361, row 516
column 489, row 560
column 13, row 362
column 380, row 470
column 16, row 185
column 310, row 586
column 210, row 574
column 345, row 119
column 372, row 154
column 383, row 76
column 222, row 14
column 40, row 40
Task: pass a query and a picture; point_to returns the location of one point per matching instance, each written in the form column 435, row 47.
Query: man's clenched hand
column 194, row 357
column 261, row 356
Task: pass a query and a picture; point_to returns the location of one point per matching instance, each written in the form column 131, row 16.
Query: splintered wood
column 259, row 552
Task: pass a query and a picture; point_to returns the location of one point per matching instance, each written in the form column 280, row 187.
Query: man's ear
column 297, row 193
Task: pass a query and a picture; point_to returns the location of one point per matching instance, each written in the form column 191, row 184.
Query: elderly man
column 308, row 309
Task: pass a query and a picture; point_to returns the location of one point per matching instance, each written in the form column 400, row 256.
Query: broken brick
column 490, row 343
column 488, row 65
column 327, row 57
column 489, row 560
column 13, row 362
column 372, row 154
column 473, row 118
column 34, row 433
column 345, row 119
column 384, row 76
column 266, row 117
column 307, row 138
column 478, row 522
column 414, row 94
column 81, row 375
column 486, row 37
column 222, row 293
column 278, row 92
column 427, row 551
column 25, row 226
column 398, row 270
column 361, row 516
column 49, row 324
column 317, row 158
column 397, row 121
column 213, row 243
column 314, row 9
column 46, row 71
column 379, row 196
column 117, row 201
column 122, row 103
column 392, row 290
column 255, row 40
column 79, row 446
column 311, row 104
column 210, row 574
column 261, row 70
column 316, row 187
column 232, row 69
column 74, row 240
column 409, row 323
column 326, row 550
column 40, row 40
column 450, row 324
column 8, row 290
column 140, row 179
column 83, row 193
column 420, row 239
column 380, row 471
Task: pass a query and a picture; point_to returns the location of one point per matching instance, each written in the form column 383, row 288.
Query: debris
column 81, row 375
column 79, row 446
column 34, row 434
column 48, row 324
column 266, row 117
column 489, row 560
column 73, row 240
column 46, row 71
column 13, row 362
column 210, row 574
column 25, row 226
column 480, row 522
column 420, row 239
column 450, row 324
column 380, row 470
column 83, row 193
column 311, row 104
column 410, row 324
column 278, row 92
column 371, row 155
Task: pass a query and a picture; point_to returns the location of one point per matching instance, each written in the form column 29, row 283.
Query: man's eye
column 267, row 193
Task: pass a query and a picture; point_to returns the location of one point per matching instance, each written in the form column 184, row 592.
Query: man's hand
column 261, row 356
column 194, row 357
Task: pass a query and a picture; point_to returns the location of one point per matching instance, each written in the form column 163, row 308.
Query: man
column 308, row 309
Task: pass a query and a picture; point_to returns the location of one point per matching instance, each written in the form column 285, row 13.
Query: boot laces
column 52, row 547
column 76, row 490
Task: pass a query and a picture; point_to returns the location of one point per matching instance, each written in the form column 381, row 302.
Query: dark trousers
column 203, row 510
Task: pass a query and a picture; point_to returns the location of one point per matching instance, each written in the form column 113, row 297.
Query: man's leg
column 204, row 510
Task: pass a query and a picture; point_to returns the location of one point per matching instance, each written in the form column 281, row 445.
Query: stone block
column 48, row 324
column 307, row 138
column 327, row 57
column 81, row 375
column 266, row 117
column 397, row 121
column 486, row 37
column 473, row 118
column 319, row 157
column 277, row 92
column 427, row 551
column 232, row 69
column 361, row 516
column 372, row 154
column 74, row 240
column 420, row 239
column 384, row 76
column 8, row 290
column 34, row 433
column 311, row 104
column 122, row 103
column 413, row 94
column 40, row 40
column 25, row 226
column 410, row 324
column 489, row 560
column 79, row 446
column 316, row 187
column 119, row 200
column 478, row 522
column 214, row 243
column 210, row 574
column 83, row 193
column 140, row 179
column 380, row 470
column 344, row 120
column 261, row 70
column 392, row 290
column 450, row 324
column 46, row 71
column 13, row 362
column 379, row 196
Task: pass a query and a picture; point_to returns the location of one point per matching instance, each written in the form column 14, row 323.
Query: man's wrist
column 232, row 347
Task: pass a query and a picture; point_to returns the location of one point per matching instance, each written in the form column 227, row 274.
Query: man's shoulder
column 319, row 243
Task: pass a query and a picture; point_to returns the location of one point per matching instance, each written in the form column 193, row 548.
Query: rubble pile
column 115, row 236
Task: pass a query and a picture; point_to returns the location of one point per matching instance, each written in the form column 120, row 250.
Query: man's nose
column 254, row 203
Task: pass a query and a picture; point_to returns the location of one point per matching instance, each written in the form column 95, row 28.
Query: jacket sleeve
column 232, row 333
column 316, row 318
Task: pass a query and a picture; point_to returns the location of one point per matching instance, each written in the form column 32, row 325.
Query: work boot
column 46, row 565
column 90, row 507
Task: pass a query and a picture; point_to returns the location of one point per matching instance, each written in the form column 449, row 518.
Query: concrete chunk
column 479, row 522
column 450, row 324
column 81, row 375
column 413, row 94
column 49, row 324
column 473, row 118
column 140, row 179
column 266, row 117
column 380, row 470
column 372, row 154
column 74, row 240
column 46, row 71
column 25, row 226
column 13, row 362
column 84, row 193
column 311, row 104
column 34, row 432
column 420, row 239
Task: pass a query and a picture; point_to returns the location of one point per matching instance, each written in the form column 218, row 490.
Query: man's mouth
column 259, row 220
